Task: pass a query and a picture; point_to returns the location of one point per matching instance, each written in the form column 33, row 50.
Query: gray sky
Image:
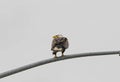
column 27, row 27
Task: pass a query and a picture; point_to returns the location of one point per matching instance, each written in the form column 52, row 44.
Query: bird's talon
column 55, row 56
column 62, row 55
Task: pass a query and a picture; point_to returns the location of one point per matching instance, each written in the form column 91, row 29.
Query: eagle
column 59, row 44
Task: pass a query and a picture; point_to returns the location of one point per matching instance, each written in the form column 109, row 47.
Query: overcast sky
column 27, row 27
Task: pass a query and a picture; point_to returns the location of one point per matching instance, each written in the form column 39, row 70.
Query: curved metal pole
column 39, row 63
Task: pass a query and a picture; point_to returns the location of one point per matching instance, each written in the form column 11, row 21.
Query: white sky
column 27, row 27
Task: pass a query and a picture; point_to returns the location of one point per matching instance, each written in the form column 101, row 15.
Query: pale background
column 27, row 27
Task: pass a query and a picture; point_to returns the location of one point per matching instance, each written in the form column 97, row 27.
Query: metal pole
column 39, row 63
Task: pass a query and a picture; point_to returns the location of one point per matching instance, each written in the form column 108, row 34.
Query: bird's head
column 57, row 36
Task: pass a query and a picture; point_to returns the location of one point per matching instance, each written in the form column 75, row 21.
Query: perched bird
column 59, row 44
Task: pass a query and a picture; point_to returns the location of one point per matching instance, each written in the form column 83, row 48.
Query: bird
column 59, row 44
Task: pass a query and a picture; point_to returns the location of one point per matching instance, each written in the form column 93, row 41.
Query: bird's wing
column 66, row 43
column 53, row 44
